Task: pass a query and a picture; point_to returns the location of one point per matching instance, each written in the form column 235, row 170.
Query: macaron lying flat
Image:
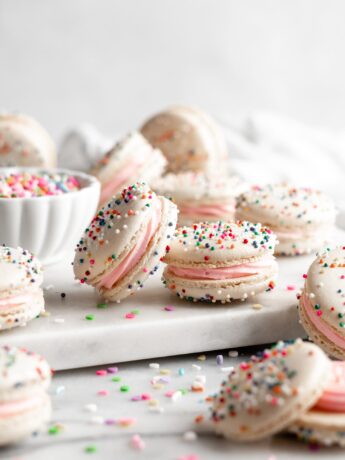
column 125, row 241
column 271, row 391
column 21, row 297
column 24, row 402
column 220, row 261
column 24, row 142
column 200, row 196
column 322, row 302
column 325, row 423
column 131, row 160
column 189, row 139
column 303, row 219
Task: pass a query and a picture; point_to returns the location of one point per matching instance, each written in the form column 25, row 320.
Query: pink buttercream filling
column 333, row 398
column 121, row 178
column 10, row 408
column 15, row 301
column 235, row 271
column 320, row 324
column 135, row 254
column 214, row 210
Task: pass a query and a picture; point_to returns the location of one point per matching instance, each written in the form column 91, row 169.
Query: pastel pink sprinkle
column 101, row 372
column 112, row 370
column 290, row 287
column 189, row 457
column 169, row 394
column 137, row 442
column 103, row 392
column 169, row 308
column 130, row 315
column 145, row 397
column 136, row 398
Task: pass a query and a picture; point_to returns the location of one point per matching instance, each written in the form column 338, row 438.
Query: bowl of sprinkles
column 45, row 211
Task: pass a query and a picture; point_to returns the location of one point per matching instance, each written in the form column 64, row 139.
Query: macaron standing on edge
column 201, row 196
column 268, row 393
column 24, row 142
column 189, row 139
column 322, row 302
column 24, row 403
column 303, row 219
column 131, row 160
column 125, row 242
column 21, row 297
column 221, row 262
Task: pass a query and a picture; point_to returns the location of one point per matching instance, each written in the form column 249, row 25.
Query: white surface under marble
column 68, row 340
column 163, row 433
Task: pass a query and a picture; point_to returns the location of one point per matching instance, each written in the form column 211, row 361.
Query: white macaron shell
column 24, row 142
column 249, row 408
column 220, row 244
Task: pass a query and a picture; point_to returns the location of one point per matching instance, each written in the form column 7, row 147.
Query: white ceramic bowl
column 48, row 226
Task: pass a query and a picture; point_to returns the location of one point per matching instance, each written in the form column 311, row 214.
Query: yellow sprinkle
column 153, row 402
column 158, row 386
column 257, row 306
column 201, row 358
column 165, row 371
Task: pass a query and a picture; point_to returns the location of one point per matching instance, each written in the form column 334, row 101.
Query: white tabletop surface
column 162, row 432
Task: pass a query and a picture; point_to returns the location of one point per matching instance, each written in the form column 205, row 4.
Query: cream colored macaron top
column 281, row 205
column 112, row 233
column 325, row 289
column 19, row 269
column 220, row 243
column 194, row 186
column 21, row 371
column 24, row 142
column 133, row 150
column 188, row 137
column 264, row 395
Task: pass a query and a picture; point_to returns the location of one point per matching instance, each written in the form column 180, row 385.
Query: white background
column 114, row 62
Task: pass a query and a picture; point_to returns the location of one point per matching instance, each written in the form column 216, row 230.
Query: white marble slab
column 68, row 340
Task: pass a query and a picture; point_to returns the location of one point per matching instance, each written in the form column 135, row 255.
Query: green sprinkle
column 54, row 430
column 116, row 379
column 124, row 388
column 90, row 317
column 341, row 324
column 135, row 312
column 102, row 305
column 90, row 449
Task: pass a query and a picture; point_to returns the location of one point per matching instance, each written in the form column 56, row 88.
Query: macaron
column 21, row 297
column 324, row 423
column 124, row 243
column 322, row 302
column 131, row 160
column 24, row 403
column 268, row 393
column 188, row 137
column 220, row 261
column 24, row 142
column 201, row 196
column 303, row 219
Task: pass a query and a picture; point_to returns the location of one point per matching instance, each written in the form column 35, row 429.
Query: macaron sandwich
column 21, row 297
column 322, row 302
column 221, row 262
column 125, row 241
column 24, row 142
column 303, row 219
column 24, row 403
column 132, row 159
column 200, row 196
column 189, row 139
column 292, row 387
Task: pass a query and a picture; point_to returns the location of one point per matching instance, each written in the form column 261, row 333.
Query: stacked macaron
column 189, row 139
column 125, row 241
column 201, row 196
column 322, row 302
column 24, row 142
column 131, row 160
column 293, row 386
column 221, row 261
column 24, row 403
column 303, row 219
column 21, row 297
